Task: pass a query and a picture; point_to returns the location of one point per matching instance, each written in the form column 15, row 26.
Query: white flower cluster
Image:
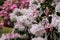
column 37, row 29
column 29, row 15
column 56, row 22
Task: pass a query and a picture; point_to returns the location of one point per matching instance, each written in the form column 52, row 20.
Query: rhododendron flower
column 37, row 30
column 5, row 5
column 33, row 14
column 3, row 8
column 13, row 17
column 24, row 20
column 55, row 20
column 19, row 27
column 27, row 0
column 13, row 6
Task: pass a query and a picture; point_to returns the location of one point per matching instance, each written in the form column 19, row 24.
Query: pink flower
column 49, row 26
column 27, row 0
column 35, row 13
column 5, row 13
column 16, row 1
column 6, row 17
column 12, row 36
column 22, row 2
column 7, row 36
column 1, row 13
column 4, row 8
column 16, row 35
column 5, row 5
column 13, row 6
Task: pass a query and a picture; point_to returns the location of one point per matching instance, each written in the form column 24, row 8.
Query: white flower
column 16, row 10
column 3, row 37
column 24, row 11
column 57, row 8
column 28, row 23
column 19, row 27
column 34, row 6
column 34, row 28
column 33, row 15
column 55, row 21
column 24, row 20
column 39, row 38
column 38, row 30
column 21, row 18
column 13, row 17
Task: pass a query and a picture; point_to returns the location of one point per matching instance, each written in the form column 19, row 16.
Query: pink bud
column 47, row 11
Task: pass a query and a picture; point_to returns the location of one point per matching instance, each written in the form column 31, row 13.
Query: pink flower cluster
column 8, row 7
column 24, row 3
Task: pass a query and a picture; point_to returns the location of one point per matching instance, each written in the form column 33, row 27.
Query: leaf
column 2, row 1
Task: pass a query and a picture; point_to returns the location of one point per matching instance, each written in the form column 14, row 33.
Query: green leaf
column 2, row 1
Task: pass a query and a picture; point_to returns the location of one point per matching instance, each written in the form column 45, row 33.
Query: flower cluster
column 9, row 36
column 33, row 19
column 9, row 5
